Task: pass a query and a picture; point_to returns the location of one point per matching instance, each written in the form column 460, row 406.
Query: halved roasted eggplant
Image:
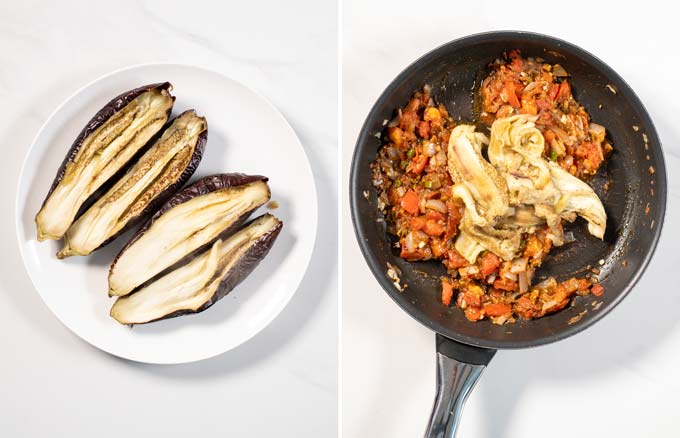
column 164, row 168
column 107, row 143
column 205, row 280
column 187, row 222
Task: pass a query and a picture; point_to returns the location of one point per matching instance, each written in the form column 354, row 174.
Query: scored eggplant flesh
column 202, row 282
column 164, row 167
column 181, row 230
column 99, row 154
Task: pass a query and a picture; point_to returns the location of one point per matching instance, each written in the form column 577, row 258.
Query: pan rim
column 379, row 271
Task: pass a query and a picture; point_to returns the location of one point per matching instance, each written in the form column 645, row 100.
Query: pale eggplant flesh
column 203, row 281
column 193, row 218
column 107, row 143
column 163, row 169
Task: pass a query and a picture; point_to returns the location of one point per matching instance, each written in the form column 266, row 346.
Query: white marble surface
column 281, row 383
column 619, row 378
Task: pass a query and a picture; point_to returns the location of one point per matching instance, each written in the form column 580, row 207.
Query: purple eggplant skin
column 200, row 187
column 116, row 104
column 164, row 195
column 242, row 269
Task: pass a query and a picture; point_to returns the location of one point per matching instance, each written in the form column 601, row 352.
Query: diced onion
column 597, row 129
column 547, row 305
column 436, row 204
column 468, row 270
column 547, row 283
column 559, row 71
column 440, row 158
column 510, row 276
column 519, row 265
column 392, row 152
column 491, row 279
column 531, row 86
column 415, row 240
column 569, row 237
column 523, row 282
column 420, row 236
column 409, row 244
column 395, row 121
column 499, row 320
column 430, row 149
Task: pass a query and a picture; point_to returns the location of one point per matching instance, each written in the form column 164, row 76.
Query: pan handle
column 458, row 369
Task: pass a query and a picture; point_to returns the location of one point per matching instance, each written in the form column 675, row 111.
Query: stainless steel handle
column 458, row 369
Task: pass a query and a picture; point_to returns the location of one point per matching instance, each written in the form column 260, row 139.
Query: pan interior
column 631, row 185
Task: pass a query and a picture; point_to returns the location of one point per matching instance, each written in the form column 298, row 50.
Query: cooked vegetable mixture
column 528, row 86
column 493, row 223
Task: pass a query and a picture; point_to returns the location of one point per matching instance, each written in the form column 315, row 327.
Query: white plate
column 245, row 134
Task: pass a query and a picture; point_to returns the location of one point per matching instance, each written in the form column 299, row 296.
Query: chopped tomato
column 564, row 91
column 584, row 284
column 447, row 292
column 514, row 53
column 434, row 228
column 456, row 260
column 468, row 298
column 549, row 136
column 433, row 115
column 442, row 111
column 592, row 155
column 439, row 247
column 534, row 247
column 505, row 284
column 516, row 65
column 497, row 309
column 543, row 104
column 424, row 129
column 571, row 285
column 434, row 215
column 410, row 202
column 425, row 97
column 417, row 223
column 452, row 227
column 529, row 107
column 473, row 313
column 396, row 136
column 408, row 122
column 454, row 219
column 509, row 88
column 418, row 164
column 490, row 262
column 413, row 105
column 597, row 290
column 524, row 307
column 545, row 118
column 552, row 91
column 424, row 253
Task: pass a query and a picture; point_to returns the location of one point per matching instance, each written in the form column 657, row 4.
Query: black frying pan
column 635, row 203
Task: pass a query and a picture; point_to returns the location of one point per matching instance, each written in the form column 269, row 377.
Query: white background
column 281, row 383
column 620, row 378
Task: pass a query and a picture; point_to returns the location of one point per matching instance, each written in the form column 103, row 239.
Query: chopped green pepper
column 428, row 184
column 411, row 153
column 553, row 155
column 404, row 164
column 397, row 183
